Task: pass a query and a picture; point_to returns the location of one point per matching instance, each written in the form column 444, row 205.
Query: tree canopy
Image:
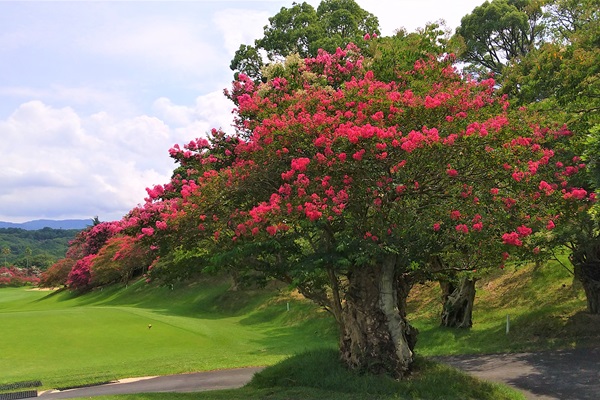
column 345, row 186
column 303, row 30
column 560, row 77
column 497, row 32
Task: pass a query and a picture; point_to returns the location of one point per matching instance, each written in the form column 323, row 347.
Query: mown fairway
column 67, row 340
column 64, row 340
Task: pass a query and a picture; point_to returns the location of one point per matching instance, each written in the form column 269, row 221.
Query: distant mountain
column 49, row 223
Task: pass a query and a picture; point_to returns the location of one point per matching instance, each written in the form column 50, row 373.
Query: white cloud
column 154, row 43
column 115, row 100
column 251, row 21
column 59, row 164
column 212, row 110
column 95, row 93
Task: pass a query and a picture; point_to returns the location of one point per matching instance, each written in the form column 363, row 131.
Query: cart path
column 556, row 375
column 195, row 382
column 549, row 375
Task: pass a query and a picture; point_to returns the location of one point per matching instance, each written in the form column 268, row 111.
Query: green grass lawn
column 66, row 340
column 547, row 311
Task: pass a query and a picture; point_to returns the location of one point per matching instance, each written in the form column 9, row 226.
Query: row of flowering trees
column 14, row 276
column 99, row 255
column 348, row 185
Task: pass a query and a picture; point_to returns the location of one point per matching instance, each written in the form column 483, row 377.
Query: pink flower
column 148, row 231
column 478, row 226
column 378, row 116
column 455, row 214
column 436, row 227
column 494, row 191
column 161, row 225
column 452, row 172
column 512, row 238
column 524, row 231
column 462, row 228
column 300, row 164
column 546, row 188
column 550, row 225
column 358, row 155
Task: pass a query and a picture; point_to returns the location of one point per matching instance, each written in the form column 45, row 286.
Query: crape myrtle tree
column 561, row 78
column 303, row 30
column 553, row 74
column 494, row 35
column 82, row 250
column 121, row 258
column 346, row 186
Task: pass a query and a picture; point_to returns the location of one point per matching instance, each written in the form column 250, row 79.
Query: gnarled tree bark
column 458, row 303
column 586, row 263
column 589, row 276
column 374, row 335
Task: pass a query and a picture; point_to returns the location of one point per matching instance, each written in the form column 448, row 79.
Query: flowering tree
column 347, row 186
column 80, row 275
column 561, row 77
column 74, row 269
column 118, row 260
column 58, row 273
column 13, row 276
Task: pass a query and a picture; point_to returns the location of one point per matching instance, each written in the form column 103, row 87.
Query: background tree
column 303, row 30
column 28, row 253
column 499, row 32
column 6, row 252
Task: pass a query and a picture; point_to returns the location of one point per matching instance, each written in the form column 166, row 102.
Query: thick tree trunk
column 589, row 276
column 458, row 303
column 447, row 287
column 586, row 262
column 404, row 285
column 374, row 334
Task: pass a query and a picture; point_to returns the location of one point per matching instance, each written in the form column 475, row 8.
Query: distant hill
column 48, row 223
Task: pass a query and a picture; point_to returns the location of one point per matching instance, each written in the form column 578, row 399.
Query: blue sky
column 93, row 94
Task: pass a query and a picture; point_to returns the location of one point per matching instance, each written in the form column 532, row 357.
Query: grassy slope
column 65, row 340
column 546, row 308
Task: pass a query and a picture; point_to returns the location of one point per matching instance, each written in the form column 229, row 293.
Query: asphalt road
column 196, row 382
column 557, row 375
column 563, row 375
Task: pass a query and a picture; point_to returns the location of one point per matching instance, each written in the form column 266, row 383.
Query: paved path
column 196, row 382
column 563, row 375
column 558, row 375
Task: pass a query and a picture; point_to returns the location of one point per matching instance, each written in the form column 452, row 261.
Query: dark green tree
column 498, row 32
column 303, row 30
column 6, row 252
